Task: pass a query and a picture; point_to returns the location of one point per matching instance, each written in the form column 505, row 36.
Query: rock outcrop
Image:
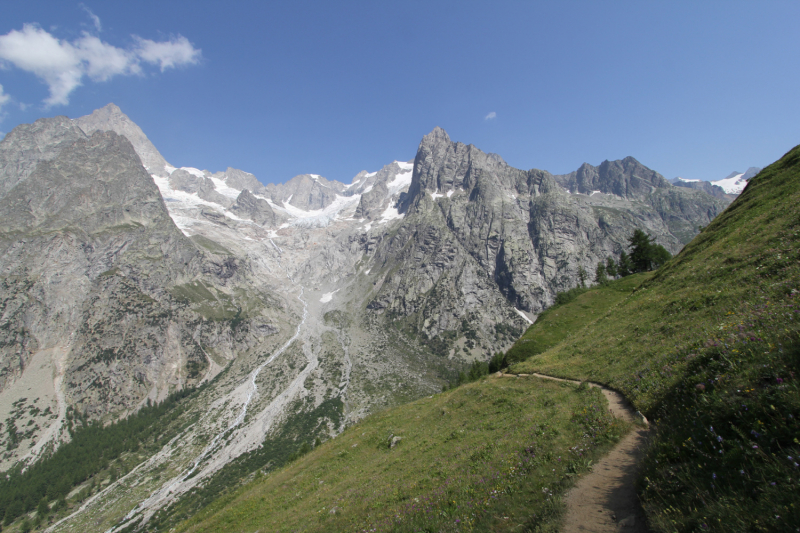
column 111, row 118
column 203, row 187
column 256, row 209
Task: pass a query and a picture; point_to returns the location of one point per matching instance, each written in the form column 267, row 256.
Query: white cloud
column 4, row 98
column 490, row 116
column 102, row 61
column 168, row 54
column 95, row 18
column 62, row 65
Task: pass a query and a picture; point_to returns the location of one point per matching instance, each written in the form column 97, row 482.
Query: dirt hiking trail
column 604, row 500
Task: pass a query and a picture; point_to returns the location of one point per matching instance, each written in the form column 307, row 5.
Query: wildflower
column 719, row 439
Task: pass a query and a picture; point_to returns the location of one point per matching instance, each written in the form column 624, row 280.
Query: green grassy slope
column 491, row 455
column 709, row 348
column 561, row 321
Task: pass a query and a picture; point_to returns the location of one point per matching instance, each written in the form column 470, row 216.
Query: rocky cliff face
column 94, row 269
column 497, row 237
column 28, row 144
column 256, row 209
column 111, row 118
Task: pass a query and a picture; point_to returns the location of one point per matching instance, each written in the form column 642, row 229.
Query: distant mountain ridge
column 733, row 184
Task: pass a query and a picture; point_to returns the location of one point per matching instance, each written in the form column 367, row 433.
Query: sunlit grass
column 495, row 454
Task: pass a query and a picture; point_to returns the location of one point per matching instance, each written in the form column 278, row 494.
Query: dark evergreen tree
column 42, row 509
column 497, row 362
column 611, row 267
column 624, row 268
column 600, row 274
column 582, row 276
column 659, row 255
column 641, row 251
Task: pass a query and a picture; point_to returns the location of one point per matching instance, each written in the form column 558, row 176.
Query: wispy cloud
column 4, row 98
column 62, row 64
column 95, row 18
column 490, row 116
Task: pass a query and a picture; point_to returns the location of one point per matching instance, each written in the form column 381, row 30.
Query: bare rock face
column 181, row 180
column 239, row 179
column 256, row 209
column 92, row 260
column 111, row 118
column 627, row 179
column 27, row 144
column 306, row 191
column 382, row 189
column 479, row 235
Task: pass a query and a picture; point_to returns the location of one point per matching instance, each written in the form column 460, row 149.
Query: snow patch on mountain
column 391, row 213
column 224, row 189
column 328, row 296
column 400, row 181
column 194, row 171
column 733, row 184
column 524, row 316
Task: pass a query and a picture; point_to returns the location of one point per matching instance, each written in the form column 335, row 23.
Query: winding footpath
column 604, row 500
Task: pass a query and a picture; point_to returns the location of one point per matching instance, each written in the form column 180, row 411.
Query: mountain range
column 126, row 279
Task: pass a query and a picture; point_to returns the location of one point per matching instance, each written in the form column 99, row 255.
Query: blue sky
column 691, row 89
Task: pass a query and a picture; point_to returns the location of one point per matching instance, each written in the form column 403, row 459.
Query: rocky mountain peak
column 111, row 118
column 627, row 178
column 239, row 179
column 437, row 135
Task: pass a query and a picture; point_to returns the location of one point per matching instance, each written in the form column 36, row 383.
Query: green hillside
column 494, row 454
column 584, row 307
column 708, row 348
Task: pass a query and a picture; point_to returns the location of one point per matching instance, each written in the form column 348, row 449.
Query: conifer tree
column 659, row 255
column 600, row 274
column 641, row 251
column 624, row 268
column 582, row 276
column 611, row 267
